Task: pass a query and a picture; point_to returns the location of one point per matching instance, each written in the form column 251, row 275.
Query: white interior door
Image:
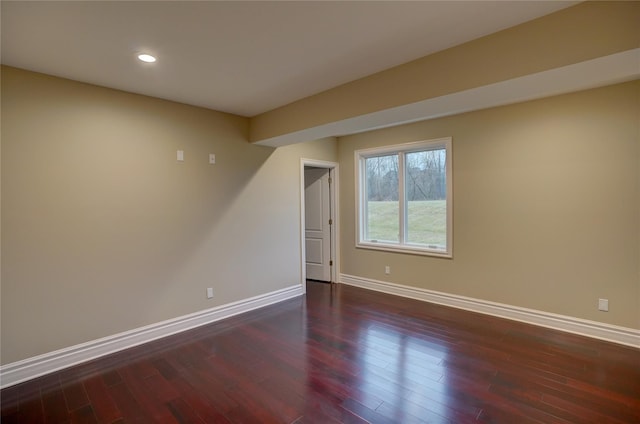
column 317, row 218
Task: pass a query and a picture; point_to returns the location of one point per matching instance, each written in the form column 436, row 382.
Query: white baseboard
column 594, row 329
column 27, row 369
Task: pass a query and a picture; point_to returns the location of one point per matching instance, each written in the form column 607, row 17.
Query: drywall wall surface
column 586, row 31
column 104, row 230
column 546, row 206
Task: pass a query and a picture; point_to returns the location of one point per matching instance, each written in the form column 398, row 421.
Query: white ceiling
column 241, row 57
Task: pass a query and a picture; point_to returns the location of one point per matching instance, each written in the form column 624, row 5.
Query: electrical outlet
column 209, row 292
column 603, row 305
column 387, row 269
column 212, row 158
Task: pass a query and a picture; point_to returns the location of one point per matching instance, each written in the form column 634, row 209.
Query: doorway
column 319, row 224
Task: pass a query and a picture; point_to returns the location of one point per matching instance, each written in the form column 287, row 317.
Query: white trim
column 612, row 333
column 335, row 230
column 598, row 72
column 27, row 369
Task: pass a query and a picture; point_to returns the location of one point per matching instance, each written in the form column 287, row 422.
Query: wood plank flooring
column 346, row 355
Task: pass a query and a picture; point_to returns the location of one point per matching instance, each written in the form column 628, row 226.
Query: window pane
column 426, row 194
column 404, row 198
column 382, row 199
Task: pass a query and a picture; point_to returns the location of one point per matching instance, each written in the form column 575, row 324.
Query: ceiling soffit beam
column 579, row 35
column 612, row 69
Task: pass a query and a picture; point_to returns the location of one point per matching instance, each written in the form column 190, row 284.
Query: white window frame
column 361, row 201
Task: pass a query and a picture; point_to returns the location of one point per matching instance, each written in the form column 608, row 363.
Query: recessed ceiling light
column 146, row 58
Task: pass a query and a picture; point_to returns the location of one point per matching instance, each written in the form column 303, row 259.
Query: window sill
column 404, row 249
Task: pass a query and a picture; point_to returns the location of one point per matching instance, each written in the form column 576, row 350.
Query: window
column 404, row 198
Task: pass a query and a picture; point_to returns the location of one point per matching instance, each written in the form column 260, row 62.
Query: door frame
column 335, row 228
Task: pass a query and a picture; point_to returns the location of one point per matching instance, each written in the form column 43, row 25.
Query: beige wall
column 546, row 206
column 586, row 31
column 104, row 231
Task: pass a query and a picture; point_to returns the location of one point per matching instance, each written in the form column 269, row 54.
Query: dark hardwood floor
column 343, row 354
